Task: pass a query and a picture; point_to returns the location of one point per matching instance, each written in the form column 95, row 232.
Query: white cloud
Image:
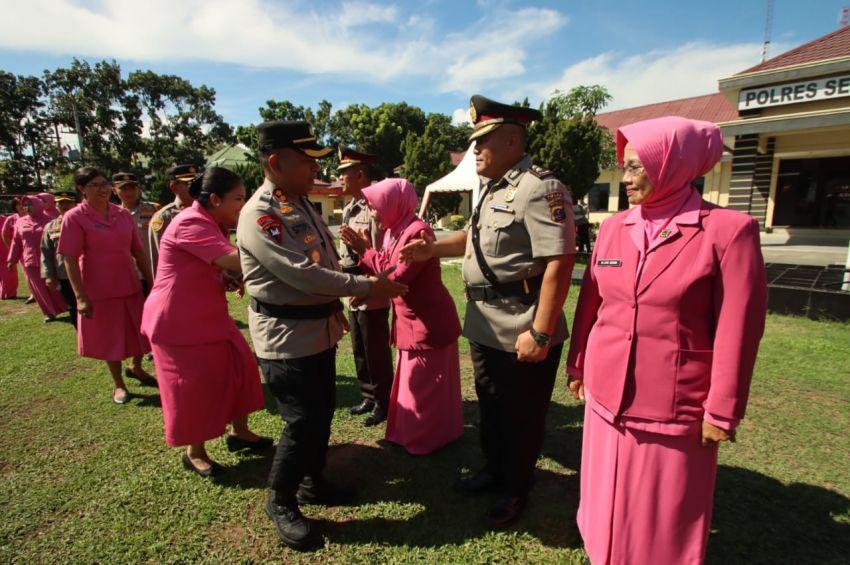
column 460, row 116
column 691, row 69
column 361, row 39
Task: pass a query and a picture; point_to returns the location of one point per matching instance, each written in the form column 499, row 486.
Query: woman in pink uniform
column 26, row 246
column 49, row 202
column 101, row 248
column 208, row 375
column 665, row 337
column 425, row 411
column 8, row 273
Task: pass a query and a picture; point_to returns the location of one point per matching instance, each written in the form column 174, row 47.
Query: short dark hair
column 85, row 175
column 215, row 180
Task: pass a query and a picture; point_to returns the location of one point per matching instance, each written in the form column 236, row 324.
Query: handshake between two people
column 382, row 286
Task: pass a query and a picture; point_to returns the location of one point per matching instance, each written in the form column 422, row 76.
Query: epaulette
column 540, row 172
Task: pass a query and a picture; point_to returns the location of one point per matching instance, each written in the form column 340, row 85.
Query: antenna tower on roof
column 768, row 28
column 845, row 16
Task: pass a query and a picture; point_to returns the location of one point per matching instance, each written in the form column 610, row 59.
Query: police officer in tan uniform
column 518, row 255
column 370, row 331
column 127, row 188
column 179, row 177
column 291, row 272
column 52, row 264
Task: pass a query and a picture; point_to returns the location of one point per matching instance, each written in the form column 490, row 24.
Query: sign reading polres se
column 792, row 93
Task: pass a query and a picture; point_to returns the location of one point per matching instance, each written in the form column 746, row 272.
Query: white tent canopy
column 463, row 178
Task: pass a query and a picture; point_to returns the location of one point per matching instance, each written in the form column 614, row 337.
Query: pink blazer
column 425, row 317
column 683, row 340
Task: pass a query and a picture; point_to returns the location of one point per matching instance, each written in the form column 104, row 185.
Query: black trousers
column 583, row 238
column 67, row 292
column 370, row 341
column 513, row 398
column 305, row 391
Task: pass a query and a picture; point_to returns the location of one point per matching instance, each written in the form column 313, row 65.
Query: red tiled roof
column 322, row 188
column 830, row 46
column 711, row 108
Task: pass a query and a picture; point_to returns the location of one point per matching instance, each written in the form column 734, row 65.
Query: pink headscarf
column 49, row 204
column 395, row 201
column 675, row 152
column 37, row 214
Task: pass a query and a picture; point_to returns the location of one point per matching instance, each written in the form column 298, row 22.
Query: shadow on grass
column 413, row 496
column 146, row 400
column 758, row 519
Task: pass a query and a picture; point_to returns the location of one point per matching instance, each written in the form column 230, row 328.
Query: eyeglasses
column 99, row 185
column 632, row 169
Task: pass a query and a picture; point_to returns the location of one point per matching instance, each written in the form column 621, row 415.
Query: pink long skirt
column 50, row 301
column 203, row 387
column 113, row 333
column 8, row 281
column 426, row 408
column 645, row 497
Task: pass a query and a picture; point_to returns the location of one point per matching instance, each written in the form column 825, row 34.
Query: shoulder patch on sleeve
column 540, row 172
column 270, row 224
column 157, row 223
column 556, row 211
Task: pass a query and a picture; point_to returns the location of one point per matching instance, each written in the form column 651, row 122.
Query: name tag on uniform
column 502, row 208
column 609, row 263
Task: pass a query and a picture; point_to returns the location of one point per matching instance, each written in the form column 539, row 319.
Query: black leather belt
column 353, row 270
column 290, row 312
column 526, row 290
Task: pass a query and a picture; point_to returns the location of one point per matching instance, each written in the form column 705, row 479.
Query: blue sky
column 432, row 53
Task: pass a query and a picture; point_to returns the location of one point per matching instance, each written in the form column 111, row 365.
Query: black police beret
column 183, row 173
column 349, row 157
column 120, row 179
column 487, row 115
column 66, row 195
column 298, row 135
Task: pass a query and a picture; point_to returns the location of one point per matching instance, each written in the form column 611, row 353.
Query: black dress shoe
column 236, row 443
column 146, row 381
column 362, row 408
column 506, row 511
column 214, row 470
column 323, row 492
column 293, row 528
column 377, row 416
column 478, row 483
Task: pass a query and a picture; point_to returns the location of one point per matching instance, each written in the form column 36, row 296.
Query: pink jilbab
column 26, row 247
column 8, row 276
column 206, row 372
column 665, row 336
column 49, row 201
column 425, row 411
column 104, row 246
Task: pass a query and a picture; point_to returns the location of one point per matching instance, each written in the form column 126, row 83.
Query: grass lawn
column 83, row 479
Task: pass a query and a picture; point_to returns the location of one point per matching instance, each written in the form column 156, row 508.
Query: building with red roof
column 786, row 128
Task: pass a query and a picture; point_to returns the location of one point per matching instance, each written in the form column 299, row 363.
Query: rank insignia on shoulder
column 270, row 226
column 556, row 211
column 156, row 224
column 540, row 172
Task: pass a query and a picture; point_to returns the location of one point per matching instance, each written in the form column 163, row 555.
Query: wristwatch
column 540, row 338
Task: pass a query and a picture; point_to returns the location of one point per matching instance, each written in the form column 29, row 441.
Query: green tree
column 380, row 131
column 93, row 102
column 426, row 159
column 28, row 144
column 568, row 140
